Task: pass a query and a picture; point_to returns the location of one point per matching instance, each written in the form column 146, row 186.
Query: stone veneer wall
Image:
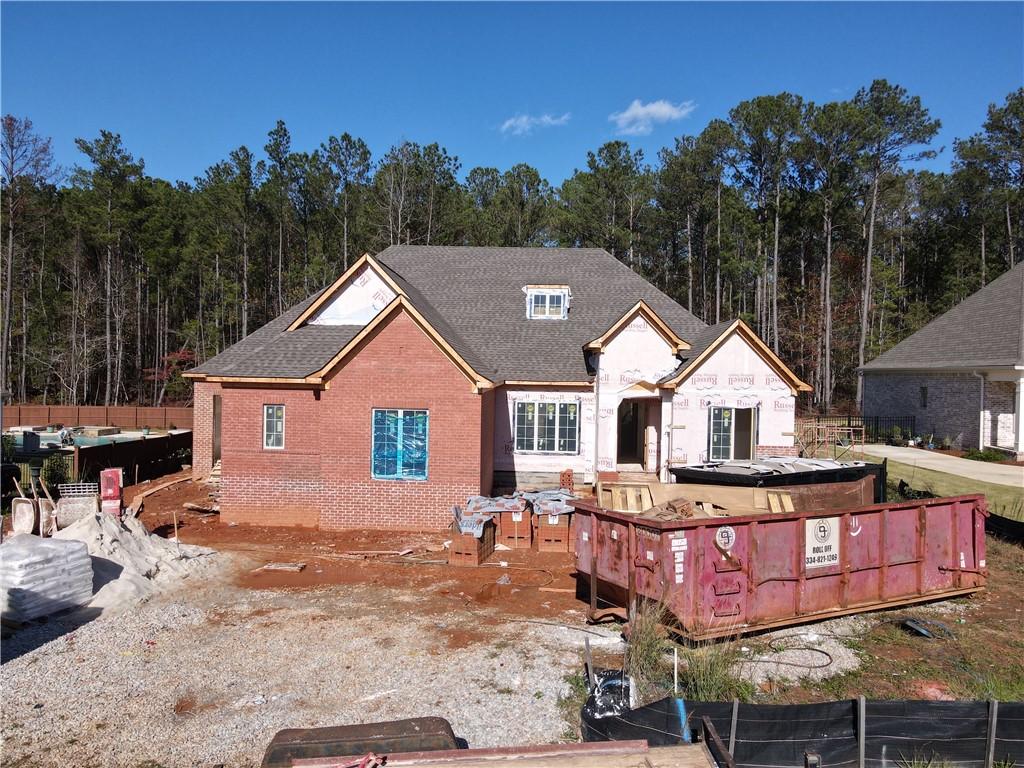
column 999, row 413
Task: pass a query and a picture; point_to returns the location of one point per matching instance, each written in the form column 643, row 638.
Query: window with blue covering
column 399, row 444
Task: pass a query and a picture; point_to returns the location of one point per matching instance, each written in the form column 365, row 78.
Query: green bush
column 8, row 447
column 989, row 454
column 54, row 472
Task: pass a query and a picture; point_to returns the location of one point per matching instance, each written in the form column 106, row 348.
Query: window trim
column 398, row 466
column 562, row 292
column 265, row 433
column 536, row 424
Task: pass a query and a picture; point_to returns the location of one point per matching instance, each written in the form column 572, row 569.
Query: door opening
column 631, row 432
column 215, row 449
column 732, row 433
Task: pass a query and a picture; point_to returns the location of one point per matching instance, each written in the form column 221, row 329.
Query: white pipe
column 981, row 411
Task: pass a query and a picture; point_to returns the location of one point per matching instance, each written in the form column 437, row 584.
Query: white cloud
column 521, row 125
column 638, row 119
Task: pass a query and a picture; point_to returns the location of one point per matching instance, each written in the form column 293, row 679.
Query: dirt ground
column 973, row 663
column 981, row 658
column 540, row 584
column 207, row 673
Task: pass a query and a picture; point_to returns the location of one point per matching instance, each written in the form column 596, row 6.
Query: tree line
column 810, row 221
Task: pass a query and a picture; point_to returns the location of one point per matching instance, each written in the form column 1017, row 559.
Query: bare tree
column 27, row 161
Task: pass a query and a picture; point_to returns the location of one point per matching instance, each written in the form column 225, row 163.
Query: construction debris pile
column 130, row 563
column 100, row 555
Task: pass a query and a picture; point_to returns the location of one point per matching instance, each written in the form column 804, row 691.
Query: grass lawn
column 1002, row 499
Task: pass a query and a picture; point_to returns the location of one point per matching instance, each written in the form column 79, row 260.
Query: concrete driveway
column 1001, row 474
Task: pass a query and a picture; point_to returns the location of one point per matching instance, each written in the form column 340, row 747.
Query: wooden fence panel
column 151, row 417
column 124, row 416
column 92, row 416
column 63, row 414
column 179, row 418
column 35, row 414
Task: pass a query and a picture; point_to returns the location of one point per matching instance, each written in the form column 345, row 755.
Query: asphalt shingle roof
column 984, row 330
column 272, row 351
column 479, row 291
column 474, row 298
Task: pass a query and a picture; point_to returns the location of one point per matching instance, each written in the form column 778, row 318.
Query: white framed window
column 273, row 427
column 547, row 427
column 547, row 303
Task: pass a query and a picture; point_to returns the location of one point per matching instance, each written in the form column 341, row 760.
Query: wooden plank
column 555, row 756
column 136, row 506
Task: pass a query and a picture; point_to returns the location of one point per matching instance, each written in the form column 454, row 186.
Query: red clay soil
column 541, row 584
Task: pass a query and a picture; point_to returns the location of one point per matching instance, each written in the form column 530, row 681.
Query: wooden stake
column 177, row 543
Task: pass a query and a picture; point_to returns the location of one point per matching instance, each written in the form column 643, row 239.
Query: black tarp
column 777, row 736
column 878, row 473
column 1005, row 528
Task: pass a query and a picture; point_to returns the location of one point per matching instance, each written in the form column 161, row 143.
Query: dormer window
column 547, row 302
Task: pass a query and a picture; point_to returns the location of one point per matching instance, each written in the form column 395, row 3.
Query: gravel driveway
column 206, row 675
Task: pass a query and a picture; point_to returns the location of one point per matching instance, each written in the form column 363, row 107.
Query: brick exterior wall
column 202, row 428
column 764, row 451
column 952, row 408
column 323, row 477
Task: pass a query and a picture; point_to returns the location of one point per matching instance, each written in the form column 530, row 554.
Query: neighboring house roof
column 471, row 301
column 985, row 330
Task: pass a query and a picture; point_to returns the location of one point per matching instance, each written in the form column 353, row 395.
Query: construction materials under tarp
column 519, row 522
column 774, row 471
column 473, row 538
column 725, row 501
column 728, row 575
column 42, row 576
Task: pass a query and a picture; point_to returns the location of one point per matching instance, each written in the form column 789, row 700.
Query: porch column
column 1018, row 417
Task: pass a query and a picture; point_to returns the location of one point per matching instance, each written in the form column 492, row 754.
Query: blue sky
column 184, row 83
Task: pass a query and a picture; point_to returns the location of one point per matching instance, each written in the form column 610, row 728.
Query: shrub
column 648, row 642
column 708, row 673
column 54, row 471
column 989, row 454
column 8, row 447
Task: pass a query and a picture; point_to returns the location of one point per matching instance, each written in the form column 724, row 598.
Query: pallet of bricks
column 552, row 520
column 512, row 516
column 472, row 538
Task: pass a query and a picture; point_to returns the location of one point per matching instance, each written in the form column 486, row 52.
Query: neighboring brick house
column 962, row 375
column 427, row 374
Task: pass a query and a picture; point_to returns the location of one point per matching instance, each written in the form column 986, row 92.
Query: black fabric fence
column 959, row 734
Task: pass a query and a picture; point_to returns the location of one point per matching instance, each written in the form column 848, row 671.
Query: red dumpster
column 722, row 576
